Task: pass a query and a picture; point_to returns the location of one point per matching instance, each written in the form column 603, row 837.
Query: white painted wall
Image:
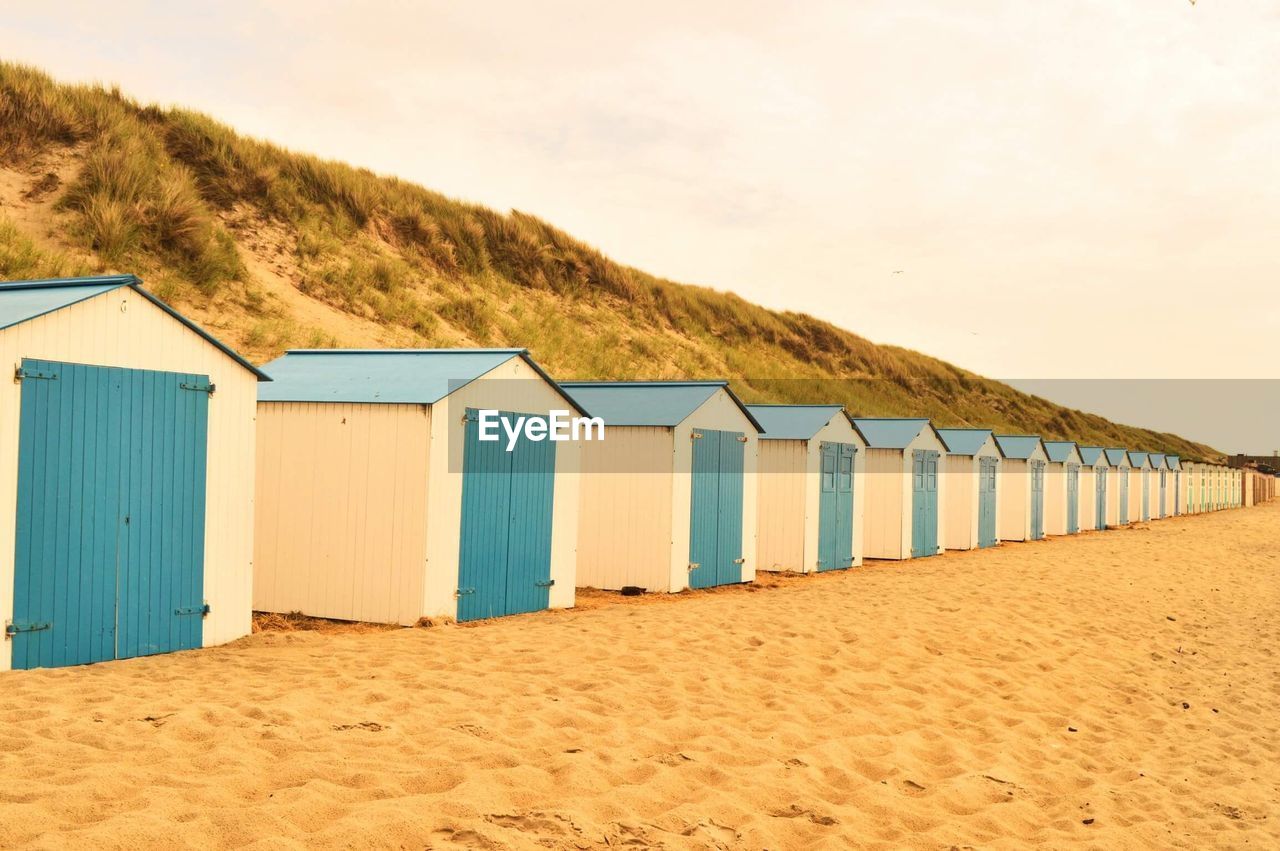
column 341, row 510
column 624, row 529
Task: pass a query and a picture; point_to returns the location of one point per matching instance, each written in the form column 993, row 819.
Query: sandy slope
column 991, row 699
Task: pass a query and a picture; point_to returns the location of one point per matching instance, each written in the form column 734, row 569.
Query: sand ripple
column 1114, row 690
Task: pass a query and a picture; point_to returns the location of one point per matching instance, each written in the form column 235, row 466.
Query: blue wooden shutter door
column 486, row 504
column 109, row 552
column 1073, row 498
column 704, row 508
column 844, row 506
column 827, row 507
column 533, row 479
column 919, row 507
column 1124, row 495
column 924, row 503
column 931, row 503
column 1037, row 500
column 835, row 506
column 987, row 503
column 1100, row 499
column 1146, row 496
column 504, row 557
column 729, row 559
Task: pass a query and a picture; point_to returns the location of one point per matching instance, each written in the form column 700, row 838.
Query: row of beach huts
column 156, row 488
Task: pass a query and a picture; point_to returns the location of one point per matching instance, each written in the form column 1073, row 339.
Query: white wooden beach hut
column 1159, row 486
column 390, row 487
column 903, row 486
column 1022, row 509
column 1117, row 487
column 126, row 476
column 810, row 493
column 972, row 472
column 1139, row 487
column 1062, row 488
column 1174, row 489
column 669, row 497
column 1093, row 488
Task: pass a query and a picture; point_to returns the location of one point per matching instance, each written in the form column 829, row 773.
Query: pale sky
column 1071, row 189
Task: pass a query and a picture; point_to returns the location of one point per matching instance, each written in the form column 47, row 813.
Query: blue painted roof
column 1174, row 461
column 1137, row 458
column 1019, row 447
column 649, row 403
column 1157, row 460
column 889, row 432
column 965, row 441
column 1059, row 451
column 1117, row 456
column 1091, row 454
column 22, row 301
column 794, row 422
column 383, row 376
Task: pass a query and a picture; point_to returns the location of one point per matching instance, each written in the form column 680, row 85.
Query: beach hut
column 1197, row 489
column 1022, row 474
column 400, row 484
column 1139, row 487
column 126, row 473
column 903, row 486
column 810, row 499
column 1159, row 486
column 1249, row 489
column 972, row 471
column 669, row 498
column 1174, row 490
column 1117, row 487
column 1093, row 487
column 1062, row 488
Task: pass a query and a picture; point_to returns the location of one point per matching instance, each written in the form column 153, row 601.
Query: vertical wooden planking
column 729, row 505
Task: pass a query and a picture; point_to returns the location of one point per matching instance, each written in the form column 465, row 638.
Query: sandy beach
column 1112, row 690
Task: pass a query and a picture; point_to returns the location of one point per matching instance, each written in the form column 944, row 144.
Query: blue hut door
column 1124, row 496
column 1146, row 496
column 1037, row 500
column 715, row 508
column 1162, row 493
column 504, row 554
column 1073, row 498
column 1100, row 500
column 109, row 551
column 924, row 503
column 835, row 506
column 987, row 502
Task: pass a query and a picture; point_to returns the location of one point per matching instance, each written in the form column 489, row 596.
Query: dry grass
column 158, row 187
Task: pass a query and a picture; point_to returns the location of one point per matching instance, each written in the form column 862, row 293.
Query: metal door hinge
column 11, row 629
column 462, row 592
column 20, row 373
column 693, row 565
column 203, row 388
column 693, row 435
column 739, row 561
column 203, row 611
column 545, row 583
column 742, row 440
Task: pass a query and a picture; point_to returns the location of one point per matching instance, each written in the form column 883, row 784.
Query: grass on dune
column 162, row 190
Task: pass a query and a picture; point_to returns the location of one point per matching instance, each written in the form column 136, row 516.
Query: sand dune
column 992, row 699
